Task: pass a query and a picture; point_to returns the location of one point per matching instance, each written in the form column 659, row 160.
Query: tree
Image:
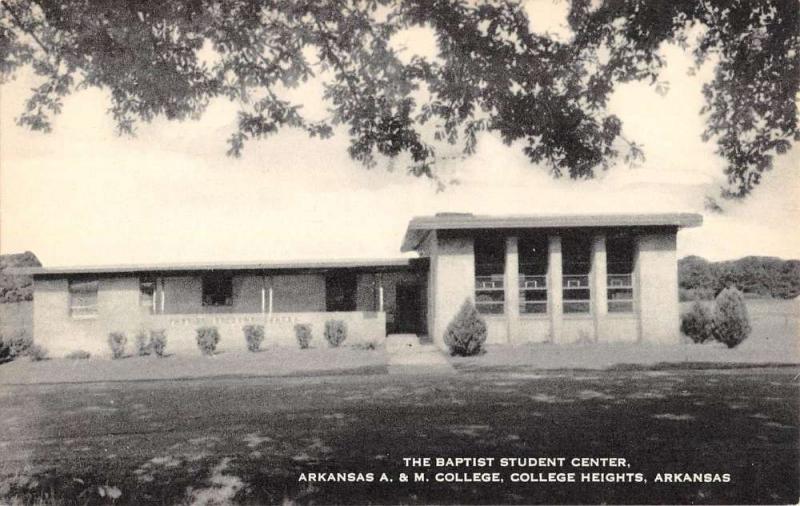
column 491, row 73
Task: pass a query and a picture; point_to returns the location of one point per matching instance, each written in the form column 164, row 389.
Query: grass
column 275, row 361
column 248, row 440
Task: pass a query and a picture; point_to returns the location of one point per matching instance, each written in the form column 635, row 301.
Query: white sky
column 81, row 195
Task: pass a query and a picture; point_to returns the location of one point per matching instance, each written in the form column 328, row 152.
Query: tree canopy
column 491, row 73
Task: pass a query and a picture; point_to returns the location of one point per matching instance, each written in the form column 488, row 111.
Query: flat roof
column 420, row 226
column 377, row 264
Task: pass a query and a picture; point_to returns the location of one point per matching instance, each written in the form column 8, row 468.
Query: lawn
column 249, row 439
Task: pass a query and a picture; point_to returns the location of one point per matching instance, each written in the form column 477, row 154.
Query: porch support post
column 599, row 284
column 555, row 304
column 379, row 279
column 163, row 296
column 263, row 294
column 511, row 284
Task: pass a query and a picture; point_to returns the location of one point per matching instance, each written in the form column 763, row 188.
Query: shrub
column 254, row 335
column 20, row 344
column 117, row 340
column 697, row 324
column 366, row 346
column 158, row 342
column 731, row 323
column 144, row 345
column 36, row 353
column 466, row 333
column 335, row 332
column 303, row 333
column 78, row 355
column 207, row 339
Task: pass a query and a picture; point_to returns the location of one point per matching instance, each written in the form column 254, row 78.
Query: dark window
column 83, row 298
column 576, row 253
column 533, row 257
column 490, row 262
column 340, row 292
column 217, row 290
column 620, row 261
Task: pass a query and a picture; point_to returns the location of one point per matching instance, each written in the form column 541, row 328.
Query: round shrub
column 302, row 332
column 335, row 332
column 117, row 340
column 697, row 324
column 254, row 335
column 158, row 342
column 143, row 344
column 466, row 333
column 207, row 340
column 731, row 322
column 78, row 355
column 36, row 353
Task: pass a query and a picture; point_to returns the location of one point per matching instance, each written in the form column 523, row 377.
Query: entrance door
column 409, row 315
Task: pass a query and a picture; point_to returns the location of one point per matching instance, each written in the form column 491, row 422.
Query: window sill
column 84, row 317
column 577, row 316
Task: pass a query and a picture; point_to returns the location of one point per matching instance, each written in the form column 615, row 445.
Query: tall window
column 217, row 290
column 576, row 252
column 490, row 262
column 620, row 261
column 533, row 275
column 147, row 293
column 83, row 298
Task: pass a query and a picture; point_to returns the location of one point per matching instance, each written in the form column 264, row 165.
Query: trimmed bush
column 302, row 332
column 78, row 355
column 20, row 344
column 466, row 333
column 335, row 332
column 158, row 342
column 143, row 344
column 731, row 323
column 36, row 353
column 697, row 324
column 207, row 340
column 254, row 335
column 117, row 341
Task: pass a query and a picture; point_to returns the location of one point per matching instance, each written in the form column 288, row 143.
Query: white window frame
column 85, row 311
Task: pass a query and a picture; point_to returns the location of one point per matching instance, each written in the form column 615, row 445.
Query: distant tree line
column 15, row 288
column 762, row 276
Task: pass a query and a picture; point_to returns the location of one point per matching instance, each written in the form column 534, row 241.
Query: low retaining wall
column 181, row 330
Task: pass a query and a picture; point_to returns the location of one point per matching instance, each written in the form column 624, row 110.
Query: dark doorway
column 340, row 292
column 409, row 313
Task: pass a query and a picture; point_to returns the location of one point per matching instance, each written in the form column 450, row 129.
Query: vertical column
column 453, row 267
column 555, row 305
column 379, row 280
column 269, row 295
column 263, row 294
column 511, row 283
column 599, row 284
column 163, row 296
column 657, row 265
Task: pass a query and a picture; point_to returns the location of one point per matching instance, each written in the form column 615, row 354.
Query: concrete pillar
column 555, row 305
column 453, row 272
column 511, row 283
column 657, row 265
column 599, row 284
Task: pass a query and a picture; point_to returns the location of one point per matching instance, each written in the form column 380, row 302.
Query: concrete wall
column 452, row 267
column 657, row 269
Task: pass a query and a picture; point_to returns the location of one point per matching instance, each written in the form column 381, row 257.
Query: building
column 558, row 278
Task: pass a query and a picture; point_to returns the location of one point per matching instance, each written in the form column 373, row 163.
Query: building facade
column 560, row 279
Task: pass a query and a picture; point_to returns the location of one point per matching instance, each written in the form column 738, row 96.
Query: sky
column 81, row 195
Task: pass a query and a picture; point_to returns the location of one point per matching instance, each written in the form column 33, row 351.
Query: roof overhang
column 266, row 267
column 421, row 226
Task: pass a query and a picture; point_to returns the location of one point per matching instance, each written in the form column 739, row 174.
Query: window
column 340, row 292
column 83, row 298
column 577, row 264
column 533, row 275
column 217, row 290
column 620, row 261
column 490, row 262
column 147, row 293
